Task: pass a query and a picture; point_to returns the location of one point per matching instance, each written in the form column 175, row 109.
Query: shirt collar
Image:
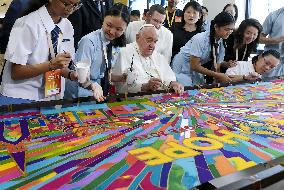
column 136, row 48
column 47, row 20
column 103, row 38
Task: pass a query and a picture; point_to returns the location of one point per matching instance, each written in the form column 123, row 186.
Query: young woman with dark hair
column 190, row 25
column 201, row 56
column 96, row 47
column 242, row 42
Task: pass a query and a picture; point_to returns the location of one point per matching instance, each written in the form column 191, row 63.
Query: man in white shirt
column 156, row 16
column 145, row 68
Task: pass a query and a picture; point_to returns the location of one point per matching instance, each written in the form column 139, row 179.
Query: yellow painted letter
column 150, row 155
column 214, row 145
column 227, row 137
column 179, row 151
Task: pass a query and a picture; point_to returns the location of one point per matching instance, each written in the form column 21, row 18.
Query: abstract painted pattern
column 164, row 142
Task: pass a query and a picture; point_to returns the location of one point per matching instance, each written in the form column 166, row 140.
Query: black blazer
column 88, row 18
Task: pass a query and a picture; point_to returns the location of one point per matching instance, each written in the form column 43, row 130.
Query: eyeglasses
column 70, row 6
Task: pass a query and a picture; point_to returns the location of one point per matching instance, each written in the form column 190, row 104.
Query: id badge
column 52, row 83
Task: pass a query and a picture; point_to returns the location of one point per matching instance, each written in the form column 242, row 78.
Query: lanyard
column 237, row 54
column 53, row 78
column 107, row 61
column 51, row 49
column 215, row 59
column 170, row 23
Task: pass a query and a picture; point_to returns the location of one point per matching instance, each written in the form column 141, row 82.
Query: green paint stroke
column 105, row 175
column 175, row 178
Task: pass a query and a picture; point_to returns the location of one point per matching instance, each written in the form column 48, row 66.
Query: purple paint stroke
column 204, row 173
column 20, row 158
column 230, row 154
column 97, row 159
column 69, row 165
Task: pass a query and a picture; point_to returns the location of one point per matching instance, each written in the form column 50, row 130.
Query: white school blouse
column 242, row 68
column 28, row 44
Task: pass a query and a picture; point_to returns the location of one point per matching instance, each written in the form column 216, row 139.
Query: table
column 164, row 142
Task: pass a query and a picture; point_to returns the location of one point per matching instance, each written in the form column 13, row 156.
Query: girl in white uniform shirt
column 31, row 54
column 252, row 70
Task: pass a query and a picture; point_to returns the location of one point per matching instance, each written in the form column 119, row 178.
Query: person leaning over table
column 252, row 70
column 142, row 68
column 241, row 43
column 39, row 51
column 96, row 47
column 199, row 60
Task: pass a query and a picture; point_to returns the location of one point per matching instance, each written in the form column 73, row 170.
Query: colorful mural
column 165, row 142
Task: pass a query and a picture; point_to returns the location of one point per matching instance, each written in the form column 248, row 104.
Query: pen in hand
column 72, row 62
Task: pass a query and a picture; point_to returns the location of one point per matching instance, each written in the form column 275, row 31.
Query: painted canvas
column 162, row 142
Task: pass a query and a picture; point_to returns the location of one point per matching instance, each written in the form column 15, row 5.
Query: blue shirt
column 90, row 48
column 206, row 25
column 273, row 26
column 198, row 46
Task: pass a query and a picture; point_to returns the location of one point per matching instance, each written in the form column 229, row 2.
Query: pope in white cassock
column 142, row 68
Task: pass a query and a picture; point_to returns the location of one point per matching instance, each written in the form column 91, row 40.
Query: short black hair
column 272, row 52
column 145, row 11
column 135, row 13
column 159, row 8
column 266, row 53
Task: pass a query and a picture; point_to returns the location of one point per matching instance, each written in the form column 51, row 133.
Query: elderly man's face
column 147, row 40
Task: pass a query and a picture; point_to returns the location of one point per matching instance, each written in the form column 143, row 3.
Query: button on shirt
column 198, row 46
column 28, row 44
column 165, row 38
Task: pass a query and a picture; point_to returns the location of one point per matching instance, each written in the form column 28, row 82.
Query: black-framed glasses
column 70, row 6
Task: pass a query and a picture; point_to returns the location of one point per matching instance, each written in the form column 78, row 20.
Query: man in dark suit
column 89, row 17
column 15, row 10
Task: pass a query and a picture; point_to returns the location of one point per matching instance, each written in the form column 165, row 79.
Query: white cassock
column 165, row 38
column 140, row 69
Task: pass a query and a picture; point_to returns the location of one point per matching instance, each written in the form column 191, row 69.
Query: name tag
column 52, row 83
column 65, row 40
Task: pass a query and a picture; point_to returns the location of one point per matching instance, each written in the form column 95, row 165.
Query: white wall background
column 216, row 6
